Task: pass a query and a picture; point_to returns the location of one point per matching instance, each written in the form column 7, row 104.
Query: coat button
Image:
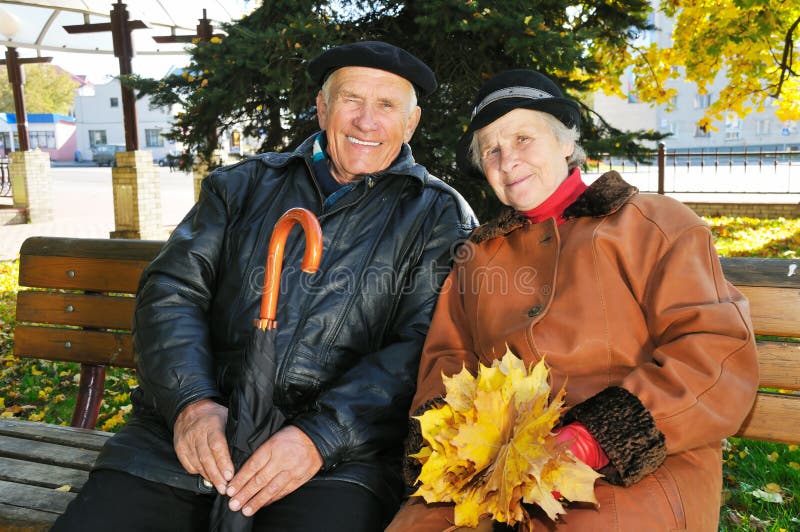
column 535, row 311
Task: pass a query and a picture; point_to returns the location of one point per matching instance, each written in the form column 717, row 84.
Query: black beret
column 374, row 54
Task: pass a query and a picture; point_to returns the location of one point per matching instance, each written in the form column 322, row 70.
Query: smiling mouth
column 362, row 142
column 517, row 181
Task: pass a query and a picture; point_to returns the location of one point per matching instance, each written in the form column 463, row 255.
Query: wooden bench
column 78, row 309
column 84, row 313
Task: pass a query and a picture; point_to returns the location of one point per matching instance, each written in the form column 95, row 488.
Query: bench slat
column 764, row 305
column 46, row 476
column 774, row 417
column 62, row 435
column 102, row 312
column 117, row 248
column 46, row 453
column 757, row 271
column 74, row 345
column 16, row 519
column 42, row 499
column 779, row 365
column 75, row 273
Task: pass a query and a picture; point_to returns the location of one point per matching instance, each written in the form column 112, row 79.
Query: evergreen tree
column 255, row 77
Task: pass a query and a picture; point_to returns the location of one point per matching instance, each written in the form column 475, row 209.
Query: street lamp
column 9, row 26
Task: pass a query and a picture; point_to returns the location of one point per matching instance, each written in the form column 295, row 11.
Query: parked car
column 171, row 159
column 106, row 154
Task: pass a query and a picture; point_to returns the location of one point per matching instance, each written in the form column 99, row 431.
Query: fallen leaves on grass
column 755, row 237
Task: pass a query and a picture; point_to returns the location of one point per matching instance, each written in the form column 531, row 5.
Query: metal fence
column 5, row 179
column 709, row 171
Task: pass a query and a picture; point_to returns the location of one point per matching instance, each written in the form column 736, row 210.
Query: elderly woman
column 624, row 295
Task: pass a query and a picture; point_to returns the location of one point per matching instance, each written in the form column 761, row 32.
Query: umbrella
column 252, row 418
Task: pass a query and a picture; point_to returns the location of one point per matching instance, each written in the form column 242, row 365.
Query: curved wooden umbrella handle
column 277, row 244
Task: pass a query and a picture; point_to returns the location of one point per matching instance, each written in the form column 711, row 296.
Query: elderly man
column 349, row 339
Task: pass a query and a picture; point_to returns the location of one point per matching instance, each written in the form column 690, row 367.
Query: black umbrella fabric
column 252, row 417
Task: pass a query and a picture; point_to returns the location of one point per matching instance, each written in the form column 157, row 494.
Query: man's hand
column 200, row 443
column 282, row 464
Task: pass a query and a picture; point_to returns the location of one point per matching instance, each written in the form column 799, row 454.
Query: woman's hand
column 583, row 445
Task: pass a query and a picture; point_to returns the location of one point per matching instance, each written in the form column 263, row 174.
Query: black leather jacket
column 349, row 336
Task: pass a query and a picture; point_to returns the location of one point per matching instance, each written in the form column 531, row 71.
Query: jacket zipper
column 280, row 373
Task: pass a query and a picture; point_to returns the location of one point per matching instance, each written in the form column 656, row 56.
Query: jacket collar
column 404, row 163
column 603, row 197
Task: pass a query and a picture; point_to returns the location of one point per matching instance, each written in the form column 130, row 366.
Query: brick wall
column 137, row 197
column 750, row 210
column 31, row 184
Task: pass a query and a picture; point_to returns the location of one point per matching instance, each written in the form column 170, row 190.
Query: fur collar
column 602, row 198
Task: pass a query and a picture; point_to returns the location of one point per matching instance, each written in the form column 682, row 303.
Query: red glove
column 583, row 446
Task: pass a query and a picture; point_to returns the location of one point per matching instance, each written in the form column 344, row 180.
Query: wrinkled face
column 522, row 159
column 367, row 119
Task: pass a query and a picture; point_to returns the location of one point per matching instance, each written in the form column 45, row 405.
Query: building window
column 762, row 126
column 701, row 132
column 733, row 128
column 673, row 102
column 97, row 136
column 702, row 101
column 153, row 138
column 669, row 126
column 114, row 102
column 42, row 140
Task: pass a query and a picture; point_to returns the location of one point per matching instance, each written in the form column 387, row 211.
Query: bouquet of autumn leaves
column 490, row 447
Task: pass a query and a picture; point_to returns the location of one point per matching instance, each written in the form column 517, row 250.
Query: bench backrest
column 79, row 307
column 773, row 288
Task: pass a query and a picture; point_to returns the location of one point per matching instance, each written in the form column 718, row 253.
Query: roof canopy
column 41, row 23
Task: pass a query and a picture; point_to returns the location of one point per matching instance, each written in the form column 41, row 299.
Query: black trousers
column 113, row 500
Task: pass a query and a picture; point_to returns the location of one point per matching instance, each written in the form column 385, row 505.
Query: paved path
column 83, row 206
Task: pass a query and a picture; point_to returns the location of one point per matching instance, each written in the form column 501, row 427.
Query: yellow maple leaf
column 490, row 447
column 117, row 419
column 773, row 456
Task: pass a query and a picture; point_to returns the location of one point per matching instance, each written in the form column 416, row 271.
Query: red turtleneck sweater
column 564, row 196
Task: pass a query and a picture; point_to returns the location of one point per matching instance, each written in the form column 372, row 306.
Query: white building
column 98, row 110
column 758, row 130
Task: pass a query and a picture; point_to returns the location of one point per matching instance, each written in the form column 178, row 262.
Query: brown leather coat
column 627, row 303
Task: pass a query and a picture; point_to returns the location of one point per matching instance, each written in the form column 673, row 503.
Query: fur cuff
column 413, row 443
column 625, row 430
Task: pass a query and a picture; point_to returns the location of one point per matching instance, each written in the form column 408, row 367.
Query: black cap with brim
column 514, row 89
column 374, row 54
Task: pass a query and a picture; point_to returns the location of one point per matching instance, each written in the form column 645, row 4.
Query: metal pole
column 17, row 79
column 661, row 160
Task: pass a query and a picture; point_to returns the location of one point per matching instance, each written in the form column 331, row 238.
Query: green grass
column 753, row 470
column 753, row 473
